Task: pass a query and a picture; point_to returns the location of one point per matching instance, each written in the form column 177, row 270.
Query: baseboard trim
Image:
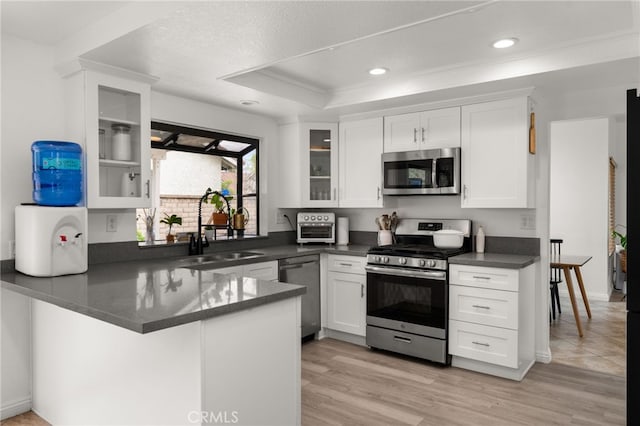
column 15, row 407
column 345, row 337
column 600, row 297
column 543, row 356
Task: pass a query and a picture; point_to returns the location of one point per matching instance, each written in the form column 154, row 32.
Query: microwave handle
column 434, row 182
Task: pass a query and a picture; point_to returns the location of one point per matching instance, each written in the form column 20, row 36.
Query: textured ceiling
column 311, row 57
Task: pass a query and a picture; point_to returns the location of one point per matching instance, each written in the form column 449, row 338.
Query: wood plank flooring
column 345, row 384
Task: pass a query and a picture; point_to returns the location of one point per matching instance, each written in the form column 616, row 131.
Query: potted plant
column 219, row 217
column 623, row 253
column 171, row 220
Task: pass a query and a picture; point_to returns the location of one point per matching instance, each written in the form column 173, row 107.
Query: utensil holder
column 385, row 237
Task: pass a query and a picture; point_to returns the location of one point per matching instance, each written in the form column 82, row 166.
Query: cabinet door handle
column 361, row 290
column 378, row 193
column 415, row 135
column 334, row 195
column 148, row 184
column 479, row 277
column 481, row 344
column 480, row 307
column 423, row 134
column 464, row 192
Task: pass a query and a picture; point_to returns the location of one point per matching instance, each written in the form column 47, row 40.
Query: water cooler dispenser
column 51, row 241
column 51, row 235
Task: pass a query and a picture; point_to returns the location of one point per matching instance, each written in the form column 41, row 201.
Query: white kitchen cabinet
column 267, row 271
column 438, row 128
column 497, row 168
column 319, row 164
column 110, row 117
column 308, row 170
column 491, row 319
column 360, row 173
column 346, row 294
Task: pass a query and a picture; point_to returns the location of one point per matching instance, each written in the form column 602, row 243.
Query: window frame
column 169, row 144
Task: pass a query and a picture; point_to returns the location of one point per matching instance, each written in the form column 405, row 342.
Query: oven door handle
column 434, row 275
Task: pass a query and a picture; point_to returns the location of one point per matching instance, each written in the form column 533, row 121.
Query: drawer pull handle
column 480, row 307
column 402, row 339
column 348, row 265
column 478, row 277
column 481, row 344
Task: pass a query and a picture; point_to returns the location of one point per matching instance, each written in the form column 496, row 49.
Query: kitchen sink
column 195, row 261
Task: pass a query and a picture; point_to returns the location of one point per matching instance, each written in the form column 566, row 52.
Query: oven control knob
column 313, row 218
column 376, row 259
column 326, row 218
column 306, row 218
column 385, row 259
column 431, row 263
column 422, row 262
column 403, row 261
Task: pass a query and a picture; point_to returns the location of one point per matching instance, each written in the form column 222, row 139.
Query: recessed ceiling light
column 378, row 71
column 504, row 43
column 249, row 102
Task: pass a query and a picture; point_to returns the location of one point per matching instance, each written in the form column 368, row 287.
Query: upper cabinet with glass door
column 111, row 116
column 319, row 164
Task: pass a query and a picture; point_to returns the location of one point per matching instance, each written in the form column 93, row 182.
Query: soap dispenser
column 480, row 240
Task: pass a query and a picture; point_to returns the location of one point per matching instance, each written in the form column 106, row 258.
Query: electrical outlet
column 112, row 223
column 528, row 222
column 280, row 219
column 12, row 249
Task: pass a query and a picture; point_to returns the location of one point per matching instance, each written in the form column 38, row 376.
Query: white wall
column 579, row 194
column 32, row 109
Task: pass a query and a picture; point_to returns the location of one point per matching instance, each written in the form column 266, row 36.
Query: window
column 184, row 163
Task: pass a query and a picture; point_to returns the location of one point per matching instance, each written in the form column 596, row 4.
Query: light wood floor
column 345, row 384
column 585, row 384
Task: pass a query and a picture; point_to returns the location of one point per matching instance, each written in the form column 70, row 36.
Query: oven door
column 413, row 301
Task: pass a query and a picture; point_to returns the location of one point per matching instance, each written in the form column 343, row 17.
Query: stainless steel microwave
column 429, row 171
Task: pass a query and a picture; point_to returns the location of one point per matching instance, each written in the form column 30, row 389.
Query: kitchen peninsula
column 150, row 343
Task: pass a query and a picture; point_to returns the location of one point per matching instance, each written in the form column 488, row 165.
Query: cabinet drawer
column 483, row 343
column 481, row 306
column 348, row 264
column 478, row 276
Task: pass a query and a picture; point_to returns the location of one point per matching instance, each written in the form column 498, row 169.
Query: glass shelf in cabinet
column 119, row 121
column 118, row 163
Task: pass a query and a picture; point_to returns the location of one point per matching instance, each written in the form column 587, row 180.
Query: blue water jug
column 57, row 173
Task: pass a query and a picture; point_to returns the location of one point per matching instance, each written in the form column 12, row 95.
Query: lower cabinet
column 267, row 271
column 492, row 319
column 346, row 294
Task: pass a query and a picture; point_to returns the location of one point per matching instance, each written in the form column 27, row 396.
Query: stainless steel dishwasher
column 304, row 270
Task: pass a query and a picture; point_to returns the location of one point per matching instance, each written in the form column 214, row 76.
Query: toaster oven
column 316, row 227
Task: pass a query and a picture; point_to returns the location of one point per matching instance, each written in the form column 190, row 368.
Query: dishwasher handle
column 293, row 266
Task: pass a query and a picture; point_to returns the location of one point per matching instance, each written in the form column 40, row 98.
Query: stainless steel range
column 407, row 290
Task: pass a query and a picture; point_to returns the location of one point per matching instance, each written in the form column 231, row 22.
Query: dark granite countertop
column 150, row 295
column 494, row 260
